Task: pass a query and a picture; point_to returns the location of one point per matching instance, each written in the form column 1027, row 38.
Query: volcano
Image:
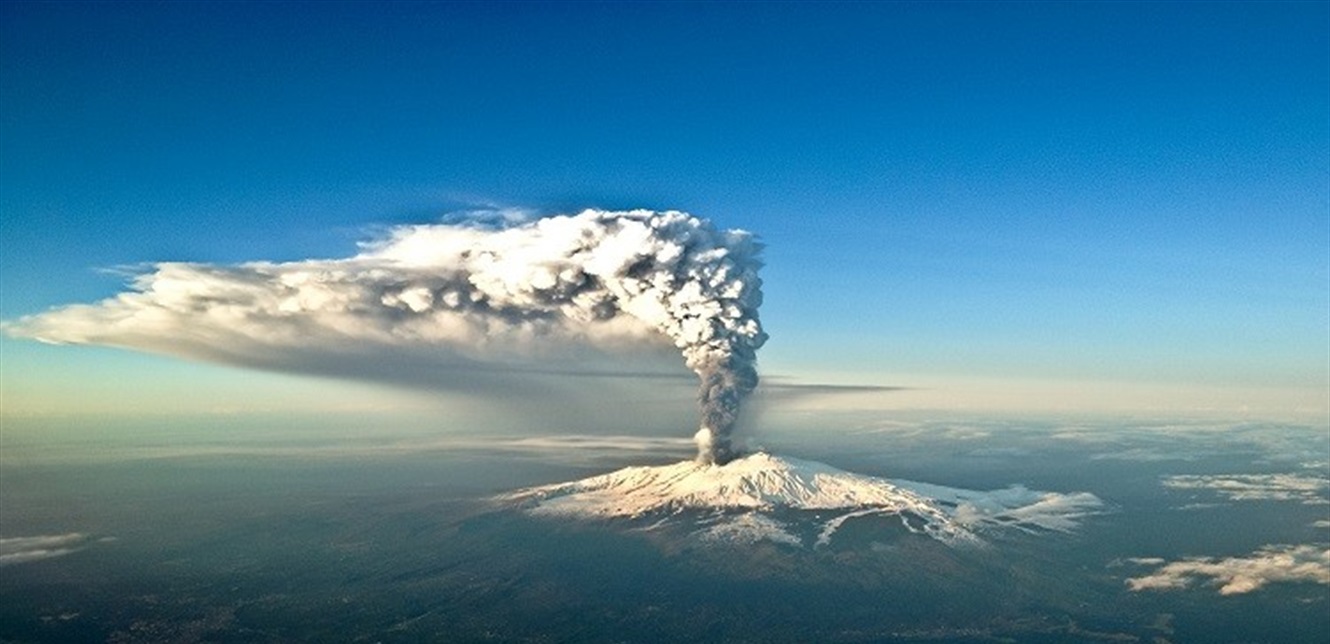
column 767, row 497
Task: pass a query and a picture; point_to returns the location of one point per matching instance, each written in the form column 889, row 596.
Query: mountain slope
column 741, row 501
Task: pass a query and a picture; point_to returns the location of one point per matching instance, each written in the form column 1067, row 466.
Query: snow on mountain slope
column 738, row 500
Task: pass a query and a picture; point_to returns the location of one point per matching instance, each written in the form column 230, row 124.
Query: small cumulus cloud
column 1238, row 575
column 16, row 550
column 1256, row 487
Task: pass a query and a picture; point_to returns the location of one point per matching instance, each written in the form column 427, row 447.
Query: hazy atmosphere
column 664, row 321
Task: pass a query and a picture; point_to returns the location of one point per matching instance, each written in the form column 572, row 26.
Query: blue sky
column 1131, row 193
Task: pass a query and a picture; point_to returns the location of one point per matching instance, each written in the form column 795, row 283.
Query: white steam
column 467, row 294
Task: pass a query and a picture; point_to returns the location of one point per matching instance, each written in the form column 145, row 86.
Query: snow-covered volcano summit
column 742, row 499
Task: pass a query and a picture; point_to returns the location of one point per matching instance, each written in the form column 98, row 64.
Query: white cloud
column 932, row 430
column 15, row 550
column 1146, row 455
column 1298, row 444
column 1256, row 487
column 1237, row 575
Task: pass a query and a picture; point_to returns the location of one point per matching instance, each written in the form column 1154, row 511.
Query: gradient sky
column 1130, row 196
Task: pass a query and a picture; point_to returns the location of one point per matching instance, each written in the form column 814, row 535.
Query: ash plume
column 469, row 296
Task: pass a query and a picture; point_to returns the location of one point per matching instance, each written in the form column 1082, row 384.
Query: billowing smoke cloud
column 474, row 297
